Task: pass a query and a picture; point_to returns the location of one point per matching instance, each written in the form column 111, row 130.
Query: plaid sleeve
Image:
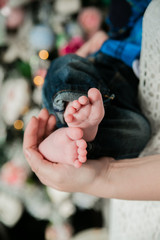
column 125, row 42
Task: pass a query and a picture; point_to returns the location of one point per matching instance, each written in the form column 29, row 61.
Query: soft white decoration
column 66, row 209
column 62, row 202
column 57, row 22
column 19, row 46
column 139, row 220
column 84, row 201
column 37, row 95
column 32, row 112
column 5, row 11
column 37, row 202
column 16, row 155
column 67, row 7
column 10, row 209
column 56, row 196
column 15, row 97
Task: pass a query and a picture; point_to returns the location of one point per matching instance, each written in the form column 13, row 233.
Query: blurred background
column 32, row 34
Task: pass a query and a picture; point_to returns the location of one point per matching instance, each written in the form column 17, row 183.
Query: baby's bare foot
column 86, row 113
column 65, row 145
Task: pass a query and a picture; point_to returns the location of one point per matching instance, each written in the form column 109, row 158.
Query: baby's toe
column 71, row 110
column 68, row 118
column 83, row 100
column 82, row 152
column 76, row 104
column 82, row 159
column 81, row 144
column 77, row 164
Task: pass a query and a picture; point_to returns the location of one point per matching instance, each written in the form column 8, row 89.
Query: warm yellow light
column 38, row 80
column 43, row 54
column 18, row 124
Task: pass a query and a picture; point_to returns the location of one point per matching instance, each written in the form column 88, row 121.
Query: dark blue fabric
column 124, row 131
column 130, row 10
column 125, row 36
column 68, row 78
column 119, row 13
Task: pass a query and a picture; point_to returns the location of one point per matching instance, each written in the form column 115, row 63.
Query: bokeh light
column 18, row 124
column 43, row 54
column 38, row 80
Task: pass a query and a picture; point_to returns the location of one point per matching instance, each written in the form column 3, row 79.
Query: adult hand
column 88, row 178
column 93, row 44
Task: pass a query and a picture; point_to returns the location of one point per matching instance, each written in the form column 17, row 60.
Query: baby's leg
column 65, row 145
column 86, row 113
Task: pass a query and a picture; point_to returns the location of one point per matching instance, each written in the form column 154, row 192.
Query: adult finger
column 30, row 134
column 43, row 120
column 51, row 125
column 49, row 173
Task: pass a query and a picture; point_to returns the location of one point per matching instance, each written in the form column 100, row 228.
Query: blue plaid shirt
column 127, row 49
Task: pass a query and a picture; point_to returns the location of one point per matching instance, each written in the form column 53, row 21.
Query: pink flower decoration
column 41, row 72
column 72, row 46
column 13, row 174
column 15, row 18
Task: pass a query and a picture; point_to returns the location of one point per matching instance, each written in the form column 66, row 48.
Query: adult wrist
column 100, row 185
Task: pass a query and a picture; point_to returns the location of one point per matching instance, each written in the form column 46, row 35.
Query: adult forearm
column 137, row 179
column 132, row 179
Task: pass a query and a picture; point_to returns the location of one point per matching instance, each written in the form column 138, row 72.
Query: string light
column 38, row 80
column 43, row 54
column 18, row 124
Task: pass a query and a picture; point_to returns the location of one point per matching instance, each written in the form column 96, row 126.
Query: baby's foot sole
column 65, row 145
column 75, row 106
column 86, row 113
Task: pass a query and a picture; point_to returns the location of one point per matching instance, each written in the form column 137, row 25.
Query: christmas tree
column 32, row 34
